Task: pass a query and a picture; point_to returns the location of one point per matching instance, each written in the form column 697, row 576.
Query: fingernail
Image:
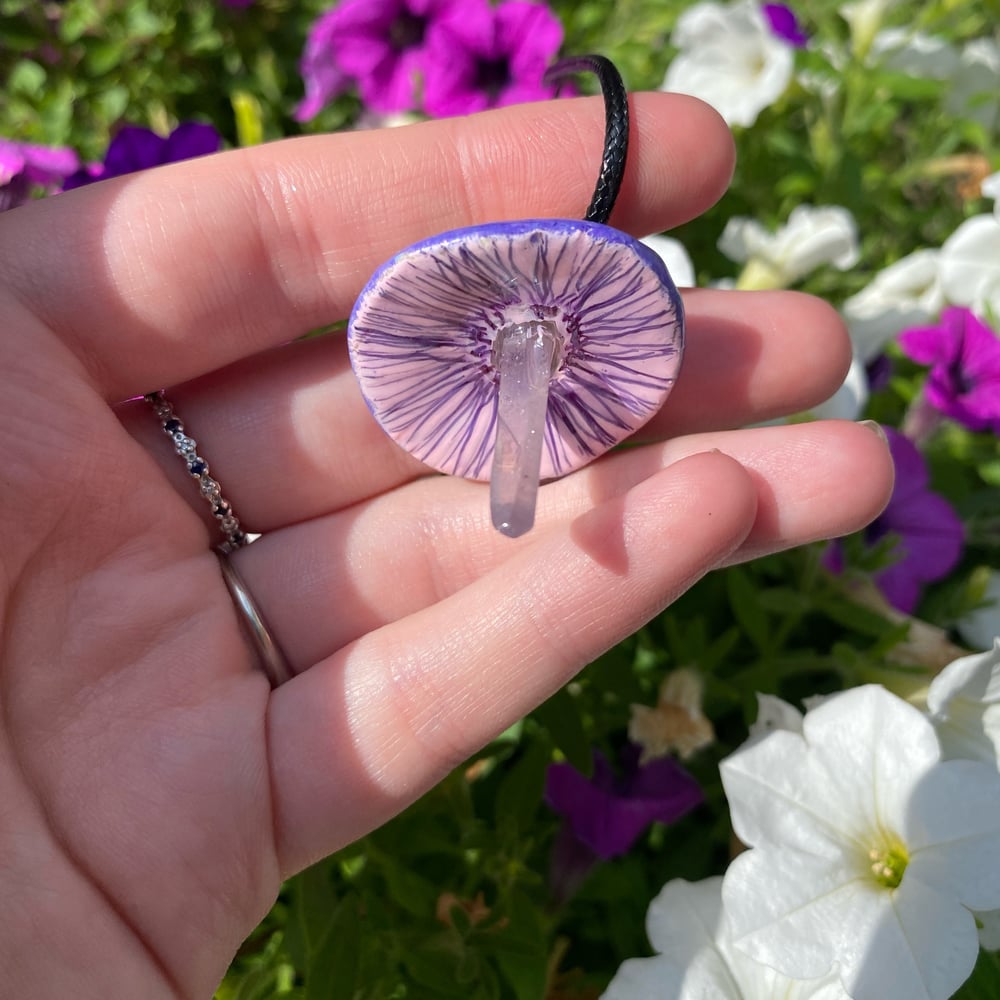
column 875, row 427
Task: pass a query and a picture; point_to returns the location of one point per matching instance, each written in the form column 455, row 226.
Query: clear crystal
column 526, row 355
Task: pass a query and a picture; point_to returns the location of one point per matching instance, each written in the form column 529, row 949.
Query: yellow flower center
column 888, row 863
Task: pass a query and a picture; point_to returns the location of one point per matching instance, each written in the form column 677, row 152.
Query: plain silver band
column 272, row 660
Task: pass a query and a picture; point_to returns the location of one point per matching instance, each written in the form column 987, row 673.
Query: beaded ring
column 187, row 448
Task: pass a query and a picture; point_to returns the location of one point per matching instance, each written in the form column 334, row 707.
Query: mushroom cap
column 421, row 339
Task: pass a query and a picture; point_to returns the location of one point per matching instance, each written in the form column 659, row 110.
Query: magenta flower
column 24, row 166
column 605, row 814
column 488, row 57
column 964, row 355
column 929, row 534
column 323, row 78
column 784, row 24
column 383, row 45
column 135, row 148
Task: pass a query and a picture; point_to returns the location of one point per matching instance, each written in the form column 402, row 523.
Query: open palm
column 153, row 790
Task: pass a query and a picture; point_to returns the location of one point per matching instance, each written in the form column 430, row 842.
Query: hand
column 154, row 790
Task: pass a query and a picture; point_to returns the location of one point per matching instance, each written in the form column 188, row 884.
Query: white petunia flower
column 848, row 402
column 970, row 265
column 864, row 18
column 976, row 82
column 972, row 72
column 868, row 851
column 915, row 54
column 774, row 713
column 811, row 238
column 991, row 189
column 964, row 705
column 729, row 58
column 980, row 628
column 904, row 294
column 696, row 959
column 676, row 258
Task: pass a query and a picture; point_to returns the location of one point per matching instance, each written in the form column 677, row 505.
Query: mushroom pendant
column 520, row 351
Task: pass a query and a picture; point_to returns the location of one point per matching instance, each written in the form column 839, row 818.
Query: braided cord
column 609, row 181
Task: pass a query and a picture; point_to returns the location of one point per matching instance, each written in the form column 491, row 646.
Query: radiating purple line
column 421, row 333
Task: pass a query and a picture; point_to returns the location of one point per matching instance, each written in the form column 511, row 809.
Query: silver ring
column 187, row 448
column 272, row 661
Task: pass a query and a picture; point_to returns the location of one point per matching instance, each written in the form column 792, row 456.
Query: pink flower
column 381, row 45
column 964, row 355
column 489, row 57
column 24, row 165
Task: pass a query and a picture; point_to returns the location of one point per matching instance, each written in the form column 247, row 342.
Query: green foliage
column 984, row 983
column 452, row 898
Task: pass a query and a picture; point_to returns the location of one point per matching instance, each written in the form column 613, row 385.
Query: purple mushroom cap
column 423, row 335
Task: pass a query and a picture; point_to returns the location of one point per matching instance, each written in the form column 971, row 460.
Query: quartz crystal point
column 517, row 351
column 526, row 356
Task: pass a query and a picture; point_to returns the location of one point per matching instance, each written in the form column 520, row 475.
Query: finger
column 161, row 276
column 296, row 416
column 379, row 722
column 327, row 583
column 753, row 356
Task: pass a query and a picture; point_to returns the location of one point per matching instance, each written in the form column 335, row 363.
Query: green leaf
column 313, row 906
column 256, row 984
column 332, row 974
column 520, row 950
column 990, row 471
column 854, row 616
column 413, row 892
column 103, row 56
column 433, row 966
column 520, row 790
column 907, row 87
column 560, row 715
column 27, row 77
column 784, row 601
column 112, row 103
column 78, row 18
column 984, row 983
column 746, row 607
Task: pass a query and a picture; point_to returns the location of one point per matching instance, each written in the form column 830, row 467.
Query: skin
column 153, row 790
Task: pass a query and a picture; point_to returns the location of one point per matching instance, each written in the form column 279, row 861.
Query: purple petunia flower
column 135, row 148
column 381, row 44
column 879, row 372
column 964, row 355
column 929, row 533
column 785, row 24
column 322, row 76
column 24, row 166
column 605, row 814
column 490, row 57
